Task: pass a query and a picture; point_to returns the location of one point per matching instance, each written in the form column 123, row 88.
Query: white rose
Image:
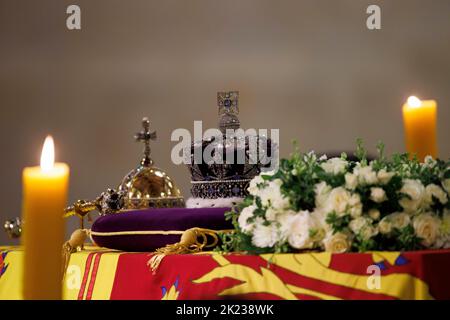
column 384, row 177
column 429, row 162
column 433, row 190
column 334, row 165
column 271, row 214
column 377, row 194
column 271, row 195
column 253, row 188
column 426, row 227
column 415, row 190
column 385, row 226
column 284, row 221
column 399, row 220
column 337, row 243
column 363, row 227
column 356, row 210
column 351, row 181
column 356, row 206
column 338, row 201
column 322, row 190
column 374, row 214
column 354, row 200
column 319, row 218
column 396, row 220
column 299, row 232
column 356, row 225
column 265, row 236
column 245, row 214
column 368, row 232
column 446, row 185
column 366, row 175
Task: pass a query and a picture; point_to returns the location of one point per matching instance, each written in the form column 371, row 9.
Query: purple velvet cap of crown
column 167, row 219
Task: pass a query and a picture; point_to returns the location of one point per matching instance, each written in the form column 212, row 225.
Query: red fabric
column 93, row 276
column 134, row 280
column 85, row 276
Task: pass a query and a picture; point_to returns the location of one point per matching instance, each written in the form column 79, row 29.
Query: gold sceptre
column 108, row 202
column 81, row 208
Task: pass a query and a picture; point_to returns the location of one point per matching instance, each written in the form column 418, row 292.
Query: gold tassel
column 189, row 243
column 76, row 240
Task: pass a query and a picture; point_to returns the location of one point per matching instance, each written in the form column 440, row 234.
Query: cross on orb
column 145, row 136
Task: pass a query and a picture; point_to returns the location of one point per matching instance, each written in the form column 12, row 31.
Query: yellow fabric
column 94, row 271
column 74, row 275
column 11, row 281
column 104, row 274
column 314, row 266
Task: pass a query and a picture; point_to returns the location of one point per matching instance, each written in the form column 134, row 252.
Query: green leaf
column 361, row 152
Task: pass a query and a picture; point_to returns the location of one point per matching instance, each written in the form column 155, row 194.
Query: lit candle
column 419, row 118
column 44, row 199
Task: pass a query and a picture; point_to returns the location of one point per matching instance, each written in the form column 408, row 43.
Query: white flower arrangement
column 339, row 205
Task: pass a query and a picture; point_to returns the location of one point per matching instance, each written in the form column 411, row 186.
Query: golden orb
column 150, row 187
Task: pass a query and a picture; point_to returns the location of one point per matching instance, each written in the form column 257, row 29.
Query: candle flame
column 414, row 102
column 48, row 155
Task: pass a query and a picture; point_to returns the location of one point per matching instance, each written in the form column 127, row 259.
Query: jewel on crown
column 222, row 165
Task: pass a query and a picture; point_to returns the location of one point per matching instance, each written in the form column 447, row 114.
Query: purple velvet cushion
column 167, row 219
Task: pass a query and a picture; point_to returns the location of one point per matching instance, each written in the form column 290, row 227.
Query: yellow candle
column 44, row 199
column 419, row 118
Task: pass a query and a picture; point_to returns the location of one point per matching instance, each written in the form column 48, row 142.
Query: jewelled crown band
column 220, row 189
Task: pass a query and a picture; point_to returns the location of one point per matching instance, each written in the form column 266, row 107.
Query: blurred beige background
column 310, row 68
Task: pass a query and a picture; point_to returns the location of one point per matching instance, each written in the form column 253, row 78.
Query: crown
column 222, row 165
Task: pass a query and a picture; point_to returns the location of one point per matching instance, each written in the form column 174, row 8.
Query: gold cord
column 76, row 240
column 193, row 240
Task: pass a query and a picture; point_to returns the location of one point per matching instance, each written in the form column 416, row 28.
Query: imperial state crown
column 235, row 158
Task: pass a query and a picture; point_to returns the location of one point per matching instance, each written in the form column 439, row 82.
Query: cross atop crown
column 145, row 136
column 228, row 102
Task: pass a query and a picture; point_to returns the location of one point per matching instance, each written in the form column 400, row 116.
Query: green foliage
column 362, row 245
column 407, row 240
column 361, row 152
column 338, row 224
